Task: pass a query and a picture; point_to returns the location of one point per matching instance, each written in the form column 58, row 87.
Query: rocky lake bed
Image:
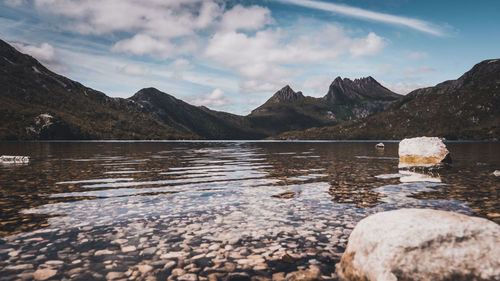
column 215, row 210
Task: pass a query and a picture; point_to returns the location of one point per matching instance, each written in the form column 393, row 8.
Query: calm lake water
column 150, row 210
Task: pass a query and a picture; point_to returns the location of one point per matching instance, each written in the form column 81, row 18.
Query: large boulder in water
column 421, row 244
column 422, row 152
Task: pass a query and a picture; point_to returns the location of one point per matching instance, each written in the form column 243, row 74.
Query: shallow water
column 86, row 209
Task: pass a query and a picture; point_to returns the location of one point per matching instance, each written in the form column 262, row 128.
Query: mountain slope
column 466, row 108
column 192, row 119
column 39, row 104
column 345, row 100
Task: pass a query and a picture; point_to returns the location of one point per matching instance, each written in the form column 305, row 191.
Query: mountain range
column 38, row 104
column 466, row 108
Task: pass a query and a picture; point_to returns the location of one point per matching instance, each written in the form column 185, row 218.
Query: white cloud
column 178, row 67
column 142, row 44
column 162, row 29
column 135, row 70
column 180, row 64
column 165, row 19
column 255, row 101
column 263, row 59
column 14, row 3
column 246, row 18
column 404, row 88
column 417, row 55
column 412, row 23
column 370, row 45
column 44, row 53
column 216, row 98
column 318, row 85
column 418, row 70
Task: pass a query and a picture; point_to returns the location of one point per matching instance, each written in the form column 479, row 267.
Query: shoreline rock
column 422, row 152
column 422, row 244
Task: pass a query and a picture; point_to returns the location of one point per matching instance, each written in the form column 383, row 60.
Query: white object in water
column 379, row 145
column 9, row 159
column 496, row 173
column 423, row 152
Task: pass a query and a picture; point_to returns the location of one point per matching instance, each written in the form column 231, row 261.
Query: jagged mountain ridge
column 40, row 104
column 346, row 91
column 345, row 100
column 465, row 108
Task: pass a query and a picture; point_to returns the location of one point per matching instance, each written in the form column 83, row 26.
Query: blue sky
column 233, row 55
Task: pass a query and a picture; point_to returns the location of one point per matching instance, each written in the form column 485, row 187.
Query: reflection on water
column 209, row 207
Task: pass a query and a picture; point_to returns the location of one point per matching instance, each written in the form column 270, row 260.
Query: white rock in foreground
column 422, row 152
column 420, row 244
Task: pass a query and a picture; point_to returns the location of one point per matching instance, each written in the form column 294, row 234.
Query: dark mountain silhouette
column 346, row 100
column 37, row 103
column 191, row 119
column 466, row 108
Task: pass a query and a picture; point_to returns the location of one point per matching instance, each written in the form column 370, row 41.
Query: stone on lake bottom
column 188, row 277
column 114, row 275
column 422, row 244
column 44, row 273
column 103, row 252
column 285, row 195
column 127, row 249
column 422, row 152
column 310, row 274
column 238, row 276
column 144, row 268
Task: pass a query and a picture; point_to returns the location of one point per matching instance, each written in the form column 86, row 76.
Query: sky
column 234, row 55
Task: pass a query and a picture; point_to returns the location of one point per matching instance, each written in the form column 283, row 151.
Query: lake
column 226, row 210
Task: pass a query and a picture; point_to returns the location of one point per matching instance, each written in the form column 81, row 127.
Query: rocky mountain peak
column 286, row 95
column 152, row 95
column 346, row 91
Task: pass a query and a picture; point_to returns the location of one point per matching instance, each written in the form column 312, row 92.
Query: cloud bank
column 44, row 53
column 216, row 98
column 415, row 24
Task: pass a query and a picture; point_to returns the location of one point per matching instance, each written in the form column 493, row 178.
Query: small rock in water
column 422, row 152
column 54, row 262
column 127, row 249
column 214, row 247
column 149, row 251
column 188, row 277
column 169, row 264
column 19, row 267
column 310, row 274
column 493, row 215
column 287, row 258
column 422, row 244
column 240, row 276
column 144, row 268
column 285, row 195
column 103, row 252
column 178, row 272
column 114, row 275
column 8, row 159
column 44, row 273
